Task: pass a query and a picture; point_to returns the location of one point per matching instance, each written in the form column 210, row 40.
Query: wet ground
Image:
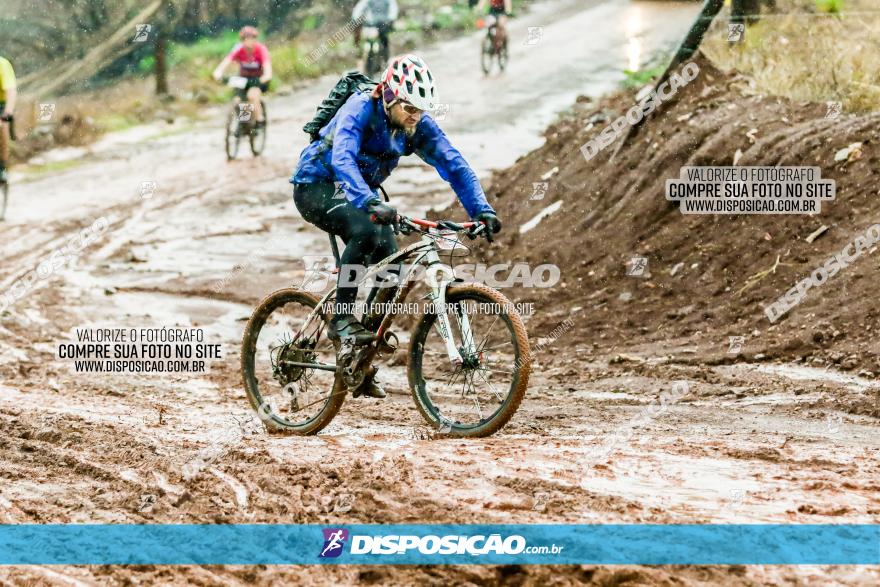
column 745, row 443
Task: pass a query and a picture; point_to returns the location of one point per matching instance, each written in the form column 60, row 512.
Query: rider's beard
column 408, row 131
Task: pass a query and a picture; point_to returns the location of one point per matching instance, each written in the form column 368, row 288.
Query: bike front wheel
column 280, row 338
column 258, row 134
column 477, row 396
column 233, row 134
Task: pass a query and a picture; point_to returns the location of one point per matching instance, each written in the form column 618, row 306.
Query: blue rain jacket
column 358, row 149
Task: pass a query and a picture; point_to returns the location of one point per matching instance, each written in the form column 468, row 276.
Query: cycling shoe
column 348, row 327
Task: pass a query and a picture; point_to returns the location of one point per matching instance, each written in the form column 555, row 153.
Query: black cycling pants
column 365, row 242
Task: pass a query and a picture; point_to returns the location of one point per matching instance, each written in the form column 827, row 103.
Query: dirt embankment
column 694, row 291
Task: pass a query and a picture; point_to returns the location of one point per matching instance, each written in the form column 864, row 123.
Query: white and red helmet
column 409, row 79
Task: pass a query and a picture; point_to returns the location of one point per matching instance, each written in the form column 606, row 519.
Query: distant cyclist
column 7, row 107
column 255, row 64
column 500, row 9
column 359, row 148
column 379, row 14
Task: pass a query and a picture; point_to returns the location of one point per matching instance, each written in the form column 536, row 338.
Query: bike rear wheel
column 487, row 54
column 258, row 134
column 478, row 397
column 288, row 397
column 503, row 56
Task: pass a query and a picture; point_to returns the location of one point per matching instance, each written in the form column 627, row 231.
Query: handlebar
column 471, row 229
column 447, row 224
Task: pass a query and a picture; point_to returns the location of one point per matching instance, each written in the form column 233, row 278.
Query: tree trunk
column 161, row 62
column 747, row 10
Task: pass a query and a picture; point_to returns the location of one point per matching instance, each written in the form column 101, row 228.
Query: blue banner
column 440, row 544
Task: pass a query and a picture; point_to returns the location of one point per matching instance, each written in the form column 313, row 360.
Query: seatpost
column 335, row 248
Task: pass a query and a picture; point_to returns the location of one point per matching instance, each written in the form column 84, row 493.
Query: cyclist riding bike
column 359, row 148
column 379, row 14
column 7, row 107
column 500, row 9
column 255, row 64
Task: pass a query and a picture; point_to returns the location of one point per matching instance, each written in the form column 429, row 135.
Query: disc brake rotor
column 300, row 352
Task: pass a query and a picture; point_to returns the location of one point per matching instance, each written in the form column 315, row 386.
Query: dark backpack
column 350, row 83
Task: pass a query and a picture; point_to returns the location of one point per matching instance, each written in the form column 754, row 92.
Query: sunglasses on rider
column 410, row 109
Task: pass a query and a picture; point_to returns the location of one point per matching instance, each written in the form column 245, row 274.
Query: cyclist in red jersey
column 255, row 64
column 500, row 9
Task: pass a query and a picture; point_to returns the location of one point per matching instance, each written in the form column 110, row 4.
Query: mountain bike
column 242, row 122
column 492, row 48
column 469, row 357
column 375, row 50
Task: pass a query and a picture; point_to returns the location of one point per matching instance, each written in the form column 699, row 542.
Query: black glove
column 381, row 213
column 492, row 223
column 6, row 117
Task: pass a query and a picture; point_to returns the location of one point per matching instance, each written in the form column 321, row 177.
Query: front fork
column 438, row 298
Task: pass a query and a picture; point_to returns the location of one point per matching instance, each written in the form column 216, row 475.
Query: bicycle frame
column 425, row 253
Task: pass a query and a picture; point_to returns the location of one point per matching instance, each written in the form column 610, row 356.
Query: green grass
column 808, row 57
column 637, row 79
column 204, row 54
column 116, row 122
column 830, row 6
column 311, row 23
column 290, row 62
column 53, row 167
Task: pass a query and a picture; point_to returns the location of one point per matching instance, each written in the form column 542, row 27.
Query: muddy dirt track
column 748, row 442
